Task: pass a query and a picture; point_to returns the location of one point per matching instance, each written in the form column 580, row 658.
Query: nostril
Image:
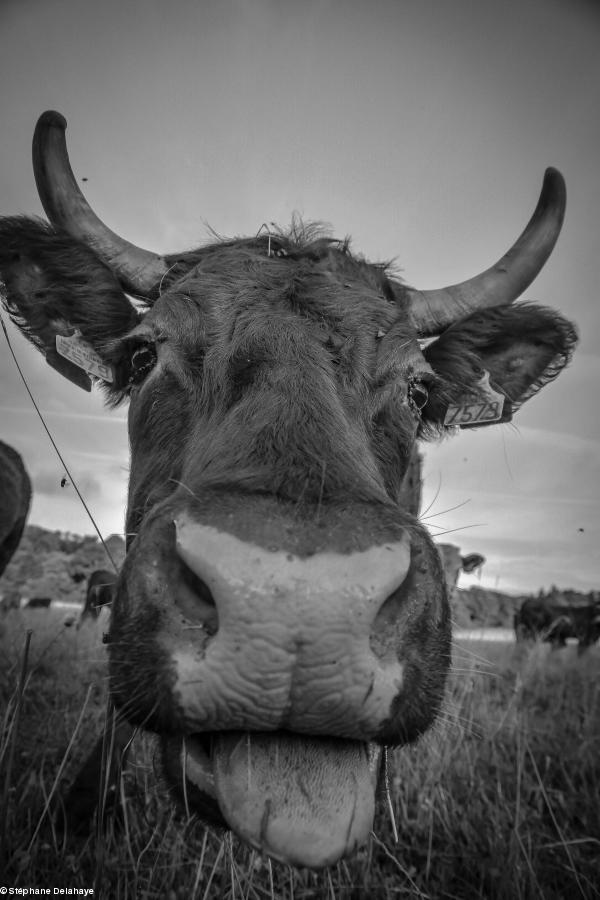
column 195, row 600
column 389, row 623
column 195, row 583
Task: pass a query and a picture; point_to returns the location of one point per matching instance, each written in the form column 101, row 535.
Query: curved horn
column 501, row 284
column 138, row 270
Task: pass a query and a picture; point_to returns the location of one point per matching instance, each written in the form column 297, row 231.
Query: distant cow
column 454, row 564
column 39, row 603
column 15, row 500
column 100, row 592
column 552, row 621
column 10, row 600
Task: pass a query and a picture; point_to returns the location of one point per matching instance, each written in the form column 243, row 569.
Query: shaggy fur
column 524, row 347
column 54, row 284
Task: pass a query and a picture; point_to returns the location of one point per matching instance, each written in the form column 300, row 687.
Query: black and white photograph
column 300, row 449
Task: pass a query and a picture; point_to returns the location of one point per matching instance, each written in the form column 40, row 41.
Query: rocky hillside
column 57, row 564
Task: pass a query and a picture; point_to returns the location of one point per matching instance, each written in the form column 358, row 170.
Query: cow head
column 454, row 564
column 281, row 615
column 100, row 592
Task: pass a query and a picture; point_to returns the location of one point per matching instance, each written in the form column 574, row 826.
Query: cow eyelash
column 143, row 359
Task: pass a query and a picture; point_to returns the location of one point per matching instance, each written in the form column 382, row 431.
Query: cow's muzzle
column 280, row 642
column 276, row 659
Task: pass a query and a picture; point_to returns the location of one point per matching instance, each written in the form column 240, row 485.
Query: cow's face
column 274, row 587
column 281, row 614
column 453, row 564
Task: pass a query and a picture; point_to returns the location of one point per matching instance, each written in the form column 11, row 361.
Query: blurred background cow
column 454, row 564
column 100, row 592
column 557, row 617
column 15, row 500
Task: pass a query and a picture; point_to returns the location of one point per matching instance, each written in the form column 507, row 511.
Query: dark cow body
column 39, row 603
column 281, row 614
column 100, row 592
column 555, row 622
column 15, row 500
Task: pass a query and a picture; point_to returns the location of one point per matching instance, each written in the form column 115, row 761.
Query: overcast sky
column 422, row 129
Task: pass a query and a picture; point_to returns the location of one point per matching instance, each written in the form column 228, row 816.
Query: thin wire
column 58, row 453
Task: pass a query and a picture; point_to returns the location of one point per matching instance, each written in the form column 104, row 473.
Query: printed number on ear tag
column 474, row 413
column 486, row 406
column 78, row 351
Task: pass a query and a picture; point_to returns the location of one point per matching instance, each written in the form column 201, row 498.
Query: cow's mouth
column 302, row 800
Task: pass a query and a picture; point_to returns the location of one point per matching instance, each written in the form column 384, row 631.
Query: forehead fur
column 310, row 272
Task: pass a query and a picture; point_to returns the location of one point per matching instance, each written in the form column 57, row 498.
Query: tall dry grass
column 501, row 800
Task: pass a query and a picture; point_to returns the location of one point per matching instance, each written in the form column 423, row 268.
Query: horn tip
column 554, row 192
column 52, row 119
column 554, row 179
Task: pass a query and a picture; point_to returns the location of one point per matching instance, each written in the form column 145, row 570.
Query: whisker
column 436, row 495
column 459, row 528
column 448, row 510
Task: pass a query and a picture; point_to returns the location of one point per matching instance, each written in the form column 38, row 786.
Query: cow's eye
column 418, row 394
column 143, row 360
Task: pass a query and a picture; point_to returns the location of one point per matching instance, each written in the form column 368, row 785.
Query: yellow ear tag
column 482, row 407
column 82, row 354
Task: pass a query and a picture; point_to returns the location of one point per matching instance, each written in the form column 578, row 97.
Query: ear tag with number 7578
column 482, row 408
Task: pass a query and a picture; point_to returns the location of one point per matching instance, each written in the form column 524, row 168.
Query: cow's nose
column 294, row 640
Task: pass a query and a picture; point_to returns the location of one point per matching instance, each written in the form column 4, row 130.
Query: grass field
column 501, row 800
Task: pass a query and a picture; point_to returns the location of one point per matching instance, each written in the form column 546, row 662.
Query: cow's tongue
column 304, row 801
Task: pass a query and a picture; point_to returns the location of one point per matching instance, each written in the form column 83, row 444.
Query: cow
column 15, row 500
column 548, row 619
column 10, row 601
column 282, row 615
column 454, row 564
column 38, row 603
column 100, row 592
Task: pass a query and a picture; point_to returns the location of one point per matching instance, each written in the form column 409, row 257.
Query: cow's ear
column 522, row 348
column 55, row 287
